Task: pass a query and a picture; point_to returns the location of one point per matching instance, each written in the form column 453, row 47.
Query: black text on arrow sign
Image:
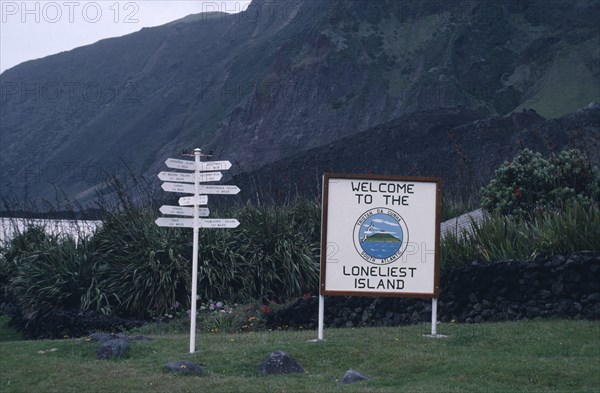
column 202, row 166
column 175, row 222
column 186, row 177
column 219, row 223
column 183, row 188
column 184, row 211
column 230, row 190
column 186, row 188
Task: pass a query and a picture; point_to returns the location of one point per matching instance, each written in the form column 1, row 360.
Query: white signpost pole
column 197, row 153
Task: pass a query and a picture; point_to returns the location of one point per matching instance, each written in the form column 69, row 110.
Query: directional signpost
column 189, row 183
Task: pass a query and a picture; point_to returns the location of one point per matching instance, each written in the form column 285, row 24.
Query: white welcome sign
column 380, row 236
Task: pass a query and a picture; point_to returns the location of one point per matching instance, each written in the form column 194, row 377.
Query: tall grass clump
column 144, row 269
column 272, row 254
column 46, row 272
column 575, row 228
column 19, row 245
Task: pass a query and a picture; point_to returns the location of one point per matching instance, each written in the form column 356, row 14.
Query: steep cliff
column 282, row 78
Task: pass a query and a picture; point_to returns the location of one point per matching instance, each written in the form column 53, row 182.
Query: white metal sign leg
column 434, row 317
column 321, row 316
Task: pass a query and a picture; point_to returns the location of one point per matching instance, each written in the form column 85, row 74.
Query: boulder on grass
column 113, row 349
column 183, row 367
column 352, row 376
column 279, row 362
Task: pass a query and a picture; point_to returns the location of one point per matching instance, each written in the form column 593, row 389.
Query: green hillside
column 382, row 237
column 279, row 79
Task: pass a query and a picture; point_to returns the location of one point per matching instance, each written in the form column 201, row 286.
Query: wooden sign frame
column 383, row 182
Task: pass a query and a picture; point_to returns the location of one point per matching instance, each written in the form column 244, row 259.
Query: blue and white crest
column 380, row 236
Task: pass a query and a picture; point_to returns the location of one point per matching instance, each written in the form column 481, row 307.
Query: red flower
column 518, row 192
column 306, row 296
column 266, row 309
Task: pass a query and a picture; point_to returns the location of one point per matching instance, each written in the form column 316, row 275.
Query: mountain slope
column 283, row 78
column 450, row 143
column 372, row 62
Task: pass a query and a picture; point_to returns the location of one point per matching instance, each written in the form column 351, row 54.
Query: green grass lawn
column 548, row 356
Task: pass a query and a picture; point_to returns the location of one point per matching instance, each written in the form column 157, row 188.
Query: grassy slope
column 567, row 86
column 550, row 356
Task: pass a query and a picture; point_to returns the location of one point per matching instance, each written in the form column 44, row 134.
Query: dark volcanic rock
column 352, row 376
column 504, row 290
column 61, row 323
column 113, row 349
column 183, row 367
column 279, row 362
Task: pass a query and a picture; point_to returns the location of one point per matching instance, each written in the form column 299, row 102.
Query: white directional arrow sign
column 181, row 164
column 178, row 187
column 222, row 190
column 214, row 166
column 201, row 166
column 189, row 177
column 219, row 223
column 175, row 222
column 184, row 211
column 190, row 201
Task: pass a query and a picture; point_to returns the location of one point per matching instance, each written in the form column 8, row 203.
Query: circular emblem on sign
column 380, row 236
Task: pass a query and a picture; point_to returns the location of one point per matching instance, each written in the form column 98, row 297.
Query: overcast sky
column 34, row 29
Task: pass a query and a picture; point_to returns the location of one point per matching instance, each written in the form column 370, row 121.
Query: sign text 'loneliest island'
column 190, row 183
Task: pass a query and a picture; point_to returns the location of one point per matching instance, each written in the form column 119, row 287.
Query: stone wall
column 554, row 287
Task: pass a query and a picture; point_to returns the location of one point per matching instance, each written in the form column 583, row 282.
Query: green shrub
column 532, row 184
